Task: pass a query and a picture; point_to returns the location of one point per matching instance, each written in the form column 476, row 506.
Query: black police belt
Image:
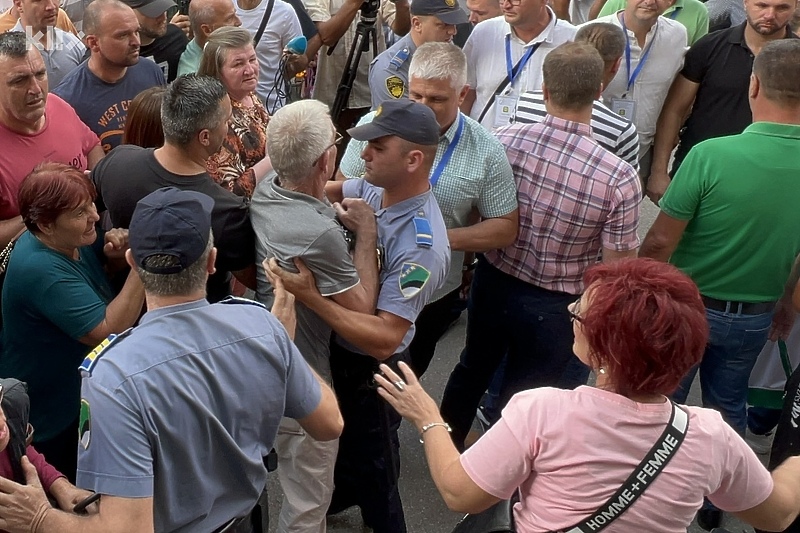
column 642, row 477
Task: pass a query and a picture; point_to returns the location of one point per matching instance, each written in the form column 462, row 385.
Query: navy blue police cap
column 403, row 118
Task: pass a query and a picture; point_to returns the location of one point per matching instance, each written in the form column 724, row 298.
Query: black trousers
column 368, row 465
column 432, row 323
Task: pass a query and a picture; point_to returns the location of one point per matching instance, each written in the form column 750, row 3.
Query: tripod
column 365, row 33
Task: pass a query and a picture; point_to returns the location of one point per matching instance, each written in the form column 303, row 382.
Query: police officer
column 177, row 413
column 431, row 21
column 415, row 254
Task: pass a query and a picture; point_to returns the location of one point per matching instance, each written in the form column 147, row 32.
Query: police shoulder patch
column 413, row 278
column 93, row 357
column 85, row 425
column 395, row 86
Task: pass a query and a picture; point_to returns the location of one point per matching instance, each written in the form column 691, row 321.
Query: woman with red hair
column 58, row 304
column 640, row 326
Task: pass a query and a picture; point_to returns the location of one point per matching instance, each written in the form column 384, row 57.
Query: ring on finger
column 400, row 385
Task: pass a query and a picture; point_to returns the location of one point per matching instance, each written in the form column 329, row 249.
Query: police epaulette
column 399, row 58
column 238, row 300
column 93, row 357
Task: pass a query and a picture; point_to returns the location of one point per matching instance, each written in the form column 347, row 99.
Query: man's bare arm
column 663, row 237
column 489, row 234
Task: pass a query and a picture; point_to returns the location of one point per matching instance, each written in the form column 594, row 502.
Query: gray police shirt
column 416, row 254
column 184, row 407
column 290, row 224
column 388, row 73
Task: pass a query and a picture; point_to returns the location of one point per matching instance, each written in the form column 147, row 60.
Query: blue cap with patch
column 412, row 122
column 448, row 11
column 170, row 222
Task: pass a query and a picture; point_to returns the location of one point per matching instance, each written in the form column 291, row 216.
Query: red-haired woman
column 57, row 302
column 641, row 326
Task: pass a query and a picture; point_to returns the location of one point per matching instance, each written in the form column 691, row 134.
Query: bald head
column 205, row 16
column 94, row 13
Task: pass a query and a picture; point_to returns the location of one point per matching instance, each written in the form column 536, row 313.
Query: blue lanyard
column 513, row 72
column 674, row 14
column 632, row 77
column 437, row 173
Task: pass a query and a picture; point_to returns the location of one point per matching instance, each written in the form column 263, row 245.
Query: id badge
column 624, row 108
column 504, row 109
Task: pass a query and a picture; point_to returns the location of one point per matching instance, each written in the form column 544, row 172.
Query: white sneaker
column 761, row 444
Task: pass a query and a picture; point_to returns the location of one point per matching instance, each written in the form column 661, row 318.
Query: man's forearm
column 56, row 521
column 486, row 235
column 791, row 283
column 365, row 258
column 669, row 123
column 332, row 29
column 367, row 332
column 401, row 24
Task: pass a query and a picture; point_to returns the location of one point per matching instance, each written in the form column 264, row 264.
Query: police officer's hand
column 301, row 284
column 407, row 396
column 116, row 243
column 22, row 507
column 283, row 307
column 356, row 215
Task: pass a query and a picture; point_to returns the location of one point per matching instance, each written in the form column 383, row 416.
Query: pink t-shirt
column 64, row 139
column 569, row 451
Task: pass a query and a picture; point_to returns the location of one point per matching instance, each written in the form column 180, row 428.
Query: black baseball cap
column 403, row 118
column 173, row 222
column 150, row 8
column 448, row 11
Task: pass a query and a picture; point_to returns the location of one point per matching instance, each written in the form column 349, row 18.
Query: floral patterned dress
column 244, row 146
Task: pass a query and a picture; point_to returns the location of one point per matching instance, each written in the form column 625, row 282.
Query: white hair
column 297, row 135
column 440, row 61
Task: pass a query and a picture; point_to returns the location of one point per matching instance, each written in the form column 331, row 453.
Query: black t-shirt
column 721, row 63
column 129, row 173
column 166, row 51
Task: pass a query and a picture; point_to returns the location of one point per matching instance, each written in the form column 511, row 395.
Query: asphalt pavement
column 424, row 509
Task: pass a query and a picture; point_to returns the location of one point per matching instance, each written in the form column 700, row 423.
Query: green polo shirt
column 691, row 13
column 740, row 195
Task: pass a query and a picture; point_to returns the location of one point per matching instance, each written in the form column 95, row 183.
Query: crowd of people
column 199, row 267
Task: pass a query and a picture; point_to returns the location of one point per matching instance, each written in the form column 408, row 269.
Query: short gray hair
column 14, row 44
column 191, row 104
column 297, row 135
column 188, row 281
column 220, row 42
column 440, row 61
column 200, row 12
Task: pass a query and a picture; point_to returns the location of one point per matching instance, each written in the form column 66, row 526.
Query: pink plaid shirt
column 575, row 198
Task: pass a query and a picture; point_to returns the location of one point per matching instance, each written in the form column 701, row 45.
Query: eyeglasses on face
column 574, row 310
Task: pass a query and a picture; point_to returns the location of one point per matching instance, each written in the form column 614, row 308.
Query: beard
column 765, row 29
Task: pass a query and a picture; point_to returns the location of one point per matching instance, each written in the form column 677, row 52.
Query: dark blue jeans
column 528, row 325
column 734, row 343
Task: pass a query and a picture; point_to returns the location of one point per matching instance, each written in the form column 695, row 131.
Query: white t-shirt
column 569, row 451
column 486, row 64
column 282, row 27
column 665, row 59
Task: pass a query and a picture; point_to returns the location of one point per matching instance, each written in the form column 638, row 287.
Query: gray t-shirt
column 63, row 53
column 290, row 224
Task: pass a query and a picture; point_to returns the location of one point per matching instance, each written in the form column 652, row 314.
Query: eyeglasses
column 337, row 140
column 574, row 310
column 514, row 3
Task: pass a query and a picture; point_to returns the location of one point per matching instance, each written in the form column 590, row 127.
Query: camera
column 369, row 9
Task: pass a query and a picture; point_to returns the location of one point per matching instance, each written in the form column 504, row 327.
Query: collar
column 679, row 4
column 195, row 47
column 401, row 209
column 295, row 196
column 408, row 42
column 650, row 32
column 774, row 129
column 177, row 308
column 451, row 131
column 546, row 35
column 568, row 126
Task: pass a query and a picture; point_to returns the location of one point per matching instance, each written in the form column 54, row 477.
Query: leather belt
column 738, row 308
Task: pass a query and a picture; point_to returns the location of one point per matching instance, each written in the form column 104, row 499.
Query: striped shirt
column 611, row 131
column 575, row 198
column 477, row 175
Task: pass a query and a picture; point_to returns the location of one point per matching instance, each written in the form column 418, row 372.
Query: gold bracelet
column 426, row 427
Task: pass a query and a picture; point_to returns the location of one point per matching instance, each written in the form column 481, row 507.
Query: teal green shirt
column 49, row 302
column 190, row 58
column 691, row 13
column 740, row 195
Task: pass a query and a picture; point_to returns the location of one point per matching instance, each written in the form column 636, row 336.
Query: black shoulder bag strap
column 264, row 21
column 642, row 476
column 504, row 84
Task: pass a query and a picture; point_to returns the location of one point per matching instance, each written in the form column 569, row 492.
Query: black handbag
column 499, row 518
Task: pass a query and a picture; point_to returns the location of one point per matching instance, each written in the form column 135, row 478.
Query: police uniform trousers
column 368, row 465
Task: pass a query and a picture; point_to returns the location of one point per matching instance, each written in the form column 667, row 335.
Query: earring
column 601, row 370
